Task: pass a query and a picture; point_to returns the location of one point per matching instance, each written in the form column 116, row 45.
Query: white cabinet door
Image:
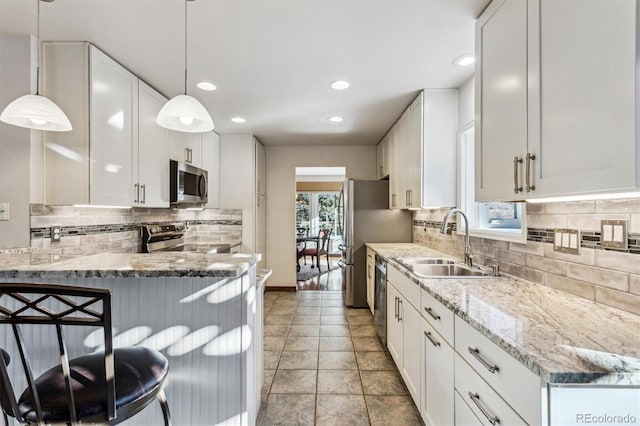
column 414, row 158
column 395, row 168
column 153, row 147
column 177, row 146
column 581, row 116
column 411, row 322
column 437, row 380
column 404, row 153
column 211, row 163
column 113, row 131
column 261, row 169
column 193, row 145
column 501, row 100
column 394, row 327
column 382, row 157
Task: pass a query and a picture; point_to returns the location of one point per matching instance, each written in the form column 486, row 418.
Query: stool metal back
column 53, row 305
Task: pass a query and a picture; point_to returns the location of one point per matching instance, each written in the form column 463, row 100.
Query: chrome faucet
column 468, row 256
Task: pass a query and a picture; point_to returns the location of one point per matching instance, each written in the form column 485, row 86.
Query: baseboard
column 279, row 288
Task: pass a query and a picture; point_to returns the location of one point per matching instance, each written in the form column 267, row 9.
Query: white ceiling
column 273, row 60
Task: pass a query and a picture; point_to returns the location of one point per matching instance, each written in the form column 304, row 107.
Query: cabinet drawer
column 463, row 414
column 519, row 386
column 405, row 286
column 437, row 315
column 483, row 401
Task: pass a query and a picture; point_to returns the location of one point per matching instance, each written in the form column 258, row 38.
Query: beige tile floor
column 324, row 365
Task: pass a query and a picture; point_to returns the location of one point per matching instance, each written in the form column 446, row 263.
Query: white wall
column 466, row 107
column 360, row 162
column 15, row 81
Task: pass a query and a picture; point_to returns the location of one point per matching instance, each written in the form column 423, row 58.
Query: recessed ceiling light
column 238, row 120
column 464, row 60
column 335, row 119
column 340, row 85
column 205, row 85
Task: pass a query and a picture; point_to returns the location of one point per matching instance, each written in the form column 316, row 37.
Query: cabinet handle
column 190, row 155
column 144, row 194
column 399, row 309
column 406, row 197
column 395, row 307
column 136, row 188
column 433, row 341
column 381, row 172
column 411, row 197
column 530, row 158
column 486, row 364
column 516, row 161
column 493, row 419
column 432, row 314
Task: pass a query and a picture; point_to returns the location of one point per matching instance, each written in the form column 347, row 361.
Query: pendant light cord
column 38, row 50
column 185, row 47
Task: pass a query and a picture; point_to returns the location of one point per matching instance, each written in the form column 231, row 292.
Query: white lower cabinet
column 394, row 327
column 437, row 380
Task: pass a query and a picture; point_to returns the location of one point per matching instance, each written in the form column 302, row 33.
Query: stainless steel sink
column 447, row 271
column 410, row 261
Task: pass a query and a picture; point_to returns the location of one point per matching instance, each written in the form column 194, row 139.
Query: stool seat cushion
column 139, row 372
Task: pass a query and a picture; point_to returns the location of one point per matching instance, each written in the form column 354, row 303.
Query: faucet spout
column 468, row 255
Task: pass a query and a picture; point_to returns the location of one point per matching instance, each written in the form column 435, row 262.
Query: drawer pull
column 476, row 354
column 432, row 314
column 476, row 400
column 433, row 341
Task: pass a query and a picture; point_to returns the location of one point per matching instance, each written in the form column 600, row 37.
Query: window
column 316, row 211
column 499, row 221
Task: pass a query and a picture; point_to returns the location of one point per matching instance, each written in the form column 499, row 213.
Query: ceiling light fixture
column 464, row 60
column 335, row 119
column 340, row 85
column 35, row 111
column 185, row 113
column 238, row 120
column 207, row 86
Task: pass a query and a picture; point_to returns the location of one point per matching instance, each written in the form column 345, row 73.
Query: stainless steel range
column 170, row 237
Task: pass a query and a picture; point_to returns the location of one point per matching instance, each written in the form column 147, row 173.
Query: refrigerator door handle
column 342, row 264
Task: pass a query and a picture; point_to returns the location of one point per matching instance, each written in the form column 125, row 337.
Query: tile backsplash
column 87, row 230
column 604, row 275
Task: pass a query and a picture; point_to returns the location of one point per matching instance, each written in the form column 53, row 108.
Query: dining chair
column 105, row 387
column 321, row 248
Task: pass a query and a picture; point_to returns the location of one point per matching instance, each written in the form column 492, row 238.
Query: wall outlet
column 613, row 234
column 56, row 233
column 566, row 240
column 5, row 211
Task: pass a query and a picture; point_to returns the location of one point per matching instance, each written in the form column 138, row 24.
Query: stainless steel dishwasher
column 380, row 311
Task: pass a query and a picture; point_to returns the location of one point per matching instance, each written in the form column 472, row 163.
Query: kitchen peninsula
column 202, row 311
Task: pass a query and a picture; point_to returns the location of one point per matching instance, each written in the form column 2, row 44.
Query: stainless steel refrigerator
column 366, row 218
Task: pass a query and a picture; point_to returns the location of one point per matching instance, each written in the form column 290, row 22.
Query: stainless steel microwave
column 188, row 185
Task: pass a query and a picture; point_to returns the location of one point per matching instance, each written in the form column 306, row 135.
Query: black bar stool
column 104, row 387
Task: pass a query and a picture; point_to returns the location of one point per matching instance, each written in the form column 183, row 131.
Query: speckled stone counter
column 117, row 265
column 560, row 337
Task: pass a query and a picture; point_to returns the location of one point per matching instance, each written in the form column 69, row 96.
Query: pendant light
column 35, row 111
column 185, row 113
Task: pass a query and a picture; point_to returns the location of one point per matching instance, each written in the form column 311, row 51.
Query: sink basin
column 447, row 271
column 410, row 261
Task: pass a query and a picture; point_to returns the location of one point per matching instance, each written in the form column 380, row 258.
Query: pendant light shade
column 185, row 113
column 36, row 112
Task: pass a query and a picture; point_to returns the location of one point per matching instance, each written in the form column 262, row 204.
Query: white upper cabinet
column 95, row 163
column 501, row 100
column 261, row 169
column 153, row 151
column 186, row 147
column 382, row 157
column 422, row 152
column 555, row 108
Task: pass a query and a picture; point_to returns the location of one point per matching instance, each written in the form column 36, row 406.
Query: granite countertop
column 115, row 265
column 560, row 337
